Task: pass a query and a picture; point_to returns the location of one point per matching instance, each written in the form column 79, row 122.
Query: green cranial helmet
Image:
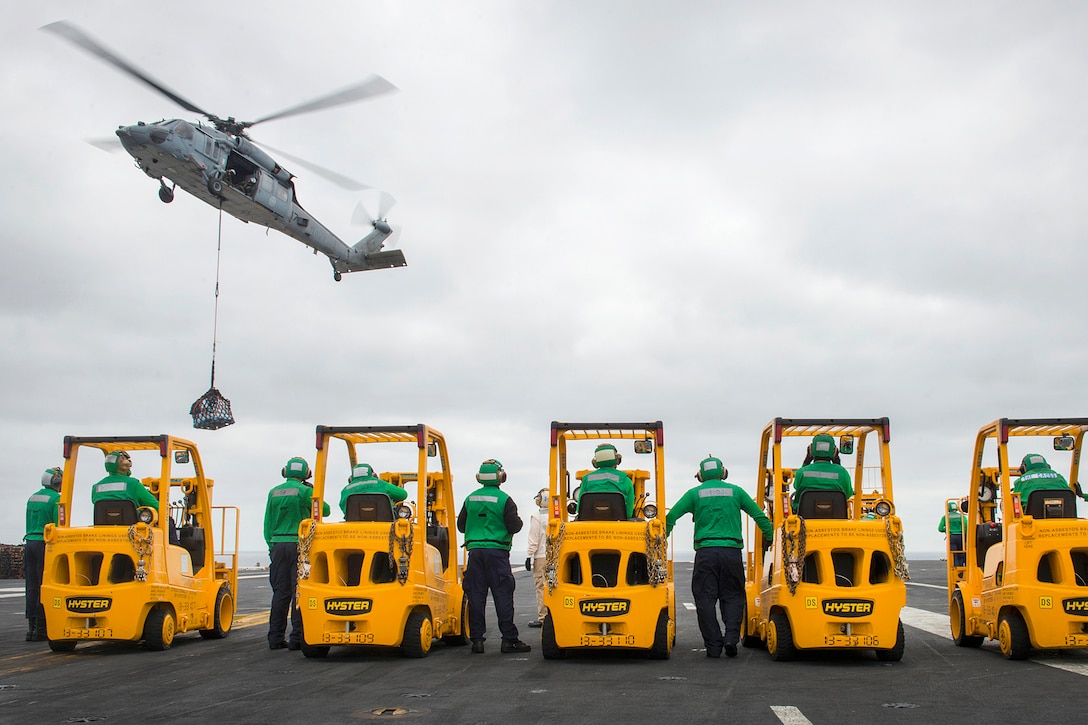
column 362, row 470
column 1031, row 462
column 491, row 473
column 711, row 469
column 296, row 468
column 606, row 455
column 52, row 478
column 823, row 448
column 953, row 507
column 113, row 460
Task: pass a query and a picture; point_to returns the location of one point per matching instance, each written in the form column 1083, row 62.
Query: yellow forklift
column 609, row 578
column 126, row 573
column 833, row 578
column 387, row 575
column 1022, row 577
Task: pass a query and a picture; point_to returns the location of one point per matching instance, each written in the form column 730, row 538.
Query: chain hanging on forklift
column 552, row 546
column 143, row 549
column 793, row 553
column 211, row 411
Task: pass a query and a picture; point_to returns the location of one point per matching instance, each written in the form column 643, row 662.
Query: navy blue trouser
column 718, row 579
column 33, row 568
column 489, row 569
column 283, row 576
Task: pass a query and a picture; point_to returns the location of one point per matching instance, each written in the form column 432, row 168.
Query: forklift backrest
column 369, row 507
column 114, row 513
column 816, row 504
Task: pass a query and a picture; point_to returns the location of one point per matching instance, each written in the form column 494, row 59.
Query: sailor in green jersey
column 823, row 474
column 119, row 485
column 718, row 575
column 1037, row 475
column 363, row 480
column 489, row 519
column 608, row 477
column 289, row 503
column 41, row 509
column 953, row 523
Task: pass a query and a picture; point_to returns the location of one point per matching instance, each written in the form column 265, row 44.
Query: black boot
column 30, row 630
column 40, row 633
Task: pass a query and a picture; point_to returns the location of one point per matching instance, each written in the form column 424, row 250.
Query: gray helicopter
column 219, row 164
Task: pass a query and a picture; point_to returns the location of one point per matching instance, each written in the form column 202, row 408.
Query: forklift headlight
column 146, row 515
column 882, row 508
column 404, row 512
column 649, row 511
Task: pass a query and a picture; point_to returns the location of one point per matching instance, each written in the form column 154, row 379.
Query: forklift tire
column 661, row 647
column 314, row 651
column 958, row 620
column 223, row 616
column 62, row 645
column 460, row 638
column 895, row 653
column 780, row 638
column 1012, row 635
column 159, row 629
column 548, row 647
column 747, row 640
column 418, row 635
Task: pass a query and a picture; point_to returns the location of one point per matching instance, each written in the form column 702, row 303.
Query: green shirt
column 124, row 488
column 41, row 509
column 484, row 517
column 821, row 476
column 1040, row 479
column 288, row 506
column 609, row 480
column 716, row 506
column 370, row 485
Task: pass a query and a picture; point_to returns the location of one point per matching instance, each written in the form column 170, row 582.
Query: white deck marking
column 938, row 624
column 790, row 715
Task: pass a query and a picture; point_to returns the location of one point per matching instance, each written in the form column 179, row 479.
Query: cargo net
column 211, row 411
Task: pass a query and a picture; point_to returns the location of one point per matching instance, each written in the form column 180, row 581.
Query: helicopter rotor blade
column 361, row 216
column 76, row 36
column 373, row 86
column 111, row 144
column 340, row 180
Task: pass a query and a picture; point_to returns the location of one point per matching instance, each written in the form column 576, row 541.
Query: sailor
column 119, row 485
column 1037, row 475
column 718, row 576
column 952, row 523
column 363, row 480
column 534, row 562
column 288, row 505
column 608, row 477
column 41, row 509
column 489, row 519
column 823, row 473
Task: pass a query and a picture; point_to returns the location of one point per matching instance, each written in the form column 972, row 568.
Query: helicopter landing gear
column 337, row 276
column 166, row 194
column 215, row 186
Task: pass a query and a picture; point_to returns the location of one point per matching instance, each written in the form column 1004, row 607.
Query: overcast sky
column 707, row 213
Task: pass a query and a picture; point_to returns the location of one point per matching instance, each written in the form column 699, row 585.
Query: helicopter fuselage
column 230, row 172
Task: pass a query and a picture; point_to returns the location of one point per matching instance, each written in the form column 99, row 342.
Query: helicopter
column 221, row 165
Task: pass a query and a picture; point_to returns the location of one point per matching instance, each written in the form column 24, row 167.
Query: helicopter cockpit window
column 184, row 130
